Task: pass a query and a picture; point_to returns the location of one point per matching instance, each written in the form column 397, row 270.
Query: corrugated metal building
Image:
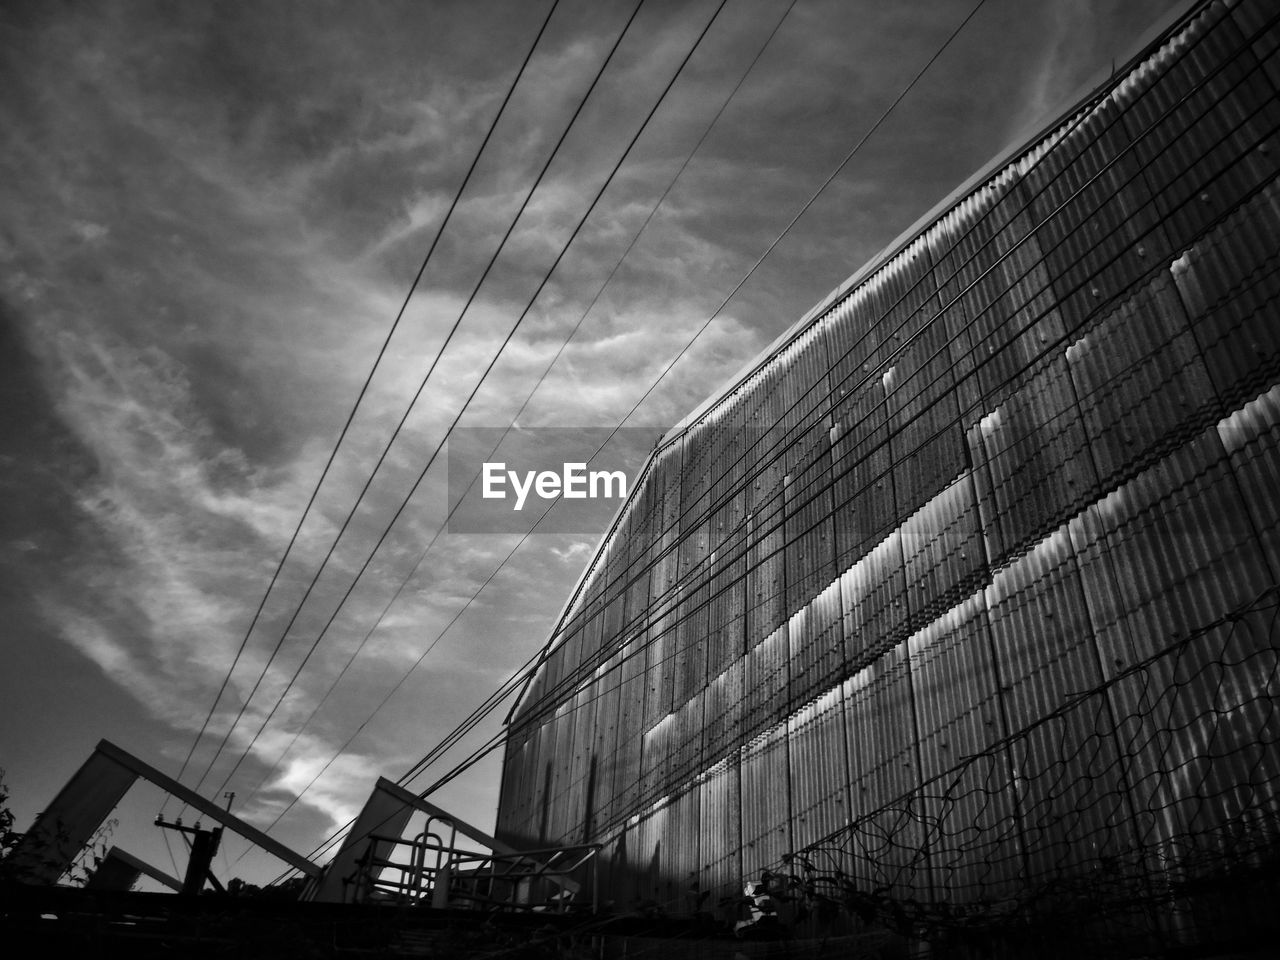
column 963, row 596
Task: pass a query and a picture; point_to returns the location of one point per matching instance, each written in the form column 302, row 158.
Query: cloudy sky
column 210, row 214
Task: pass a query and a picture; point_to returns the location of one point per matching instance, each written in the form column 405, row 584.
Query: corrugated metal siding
column 888, row 843
column 1253, row 17
column 943, row 550
column 1034, row 449
column 873, row 592
column 819, row 774
column 988, row 481
column 767, row 667
column 862, row 482
column 817, row 646
column 766, row 817
column 1202, row 123
column 926, row 441
column 975, row 848
column 1251, row 438
column 1178, row 546
column 1140, row 380
column 1230, row 282
column 1043, row 644
column 720, row 829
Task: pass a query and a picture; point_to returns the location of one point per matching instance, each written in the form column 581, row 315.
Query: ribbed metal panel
column 766, row 818
column 579, row 798
column 1230, row 283
column 926, row 441
column 862, row 483
column 1178, row 544
column 725, row 702
column 696, row 476
column 726, row 620
column 605, row 747
column 1000, row 314
column 681, row 853
column 976, row 853
column 690, row 653
column 660, row 648
column 809, row 558
column 1252, row 17
column 943, row 550
column 1199, row 127
column 651, row 835
column 1071, row 784
column 873, row 592
column 804, row 390
column 1034, row 448
column 817, row 646
column 562, row 812
column 687, row 751
column 766, row 581
column 1251, row 438
column 767, row 669
column 887, row 842
column 659, row 758
column 1087, row 219
column 631, row 702
column 720, row 830
column 819, row 778
column 1141, row 383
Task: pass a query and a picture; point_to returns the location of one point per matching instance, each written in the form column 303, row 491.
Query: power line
column 546, row 278
column 386, row 449
column 361, row 395
column 784, row 232
column 570, row 680
column 787, row 229
column 541, row 379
